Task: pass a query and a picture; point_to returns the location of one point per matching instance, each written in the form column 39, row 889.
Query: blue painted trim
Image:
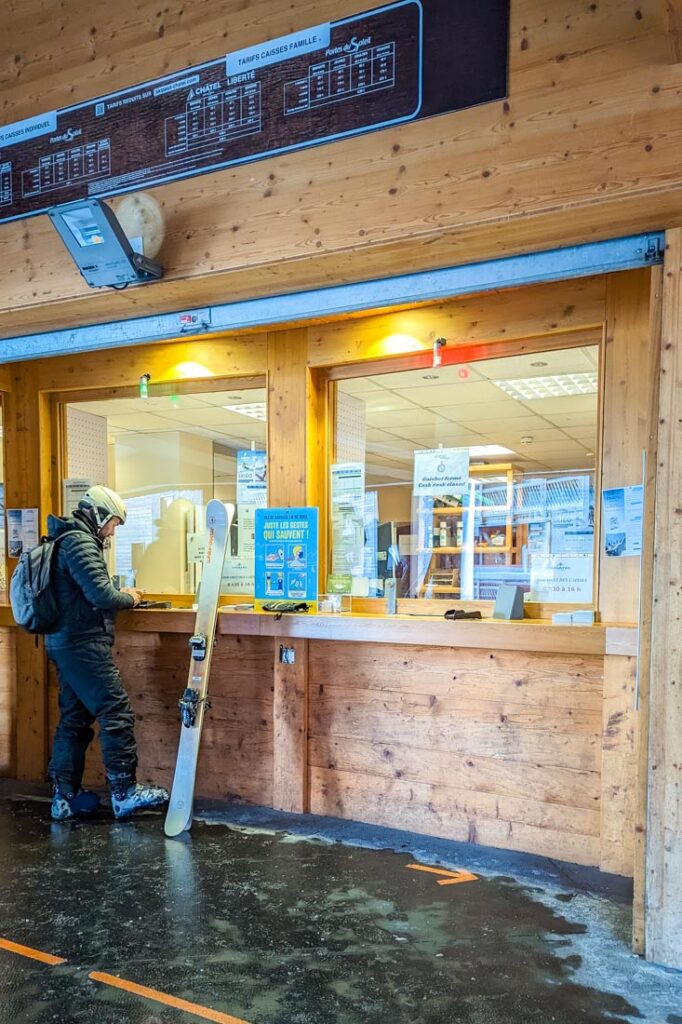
column 432, row 285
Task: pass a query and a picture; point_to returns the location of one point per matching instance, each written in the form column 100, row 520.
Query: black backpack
column 31, row 593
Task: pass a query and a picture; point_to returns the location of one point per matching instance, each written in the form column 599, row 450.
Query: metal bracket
column 198, row 645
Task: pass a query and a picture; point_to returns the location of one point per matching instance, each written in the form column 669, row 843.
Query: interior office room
column 377, row 353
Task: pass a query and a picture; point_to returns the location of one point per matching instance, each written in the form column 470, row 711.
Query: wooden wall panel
column 236, row 750
column 585, row 146
column 290, row 725
column 664, row 826
column 645, row 620
column 442, row 741
column 8, row 695
column 618, row 774
column 287, row 413
column 546, row 310
column 629, row 367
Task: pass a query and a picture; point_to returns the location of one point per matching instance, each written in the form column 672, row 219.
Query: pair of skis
column 194, row 702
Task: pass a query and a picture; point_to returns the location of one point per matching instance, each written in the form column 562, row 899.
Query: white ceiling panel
column 569, row 403
column 143, row 422
column 245, row 396
column 386, row 401
column 574, row 419
column 484, row 418
column 449, row 436
column 359, row 386
column 570, row 360
column 450, row 396
column 426, row 377
column 418, row 417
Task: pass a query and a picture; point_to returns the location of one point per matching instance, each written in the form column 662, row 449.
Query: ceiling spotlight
column 430, row 376
column 527, row 439
column 539, row 362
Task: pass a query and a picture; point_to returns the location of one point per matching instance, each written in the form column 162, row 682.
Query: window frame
column 453, row 355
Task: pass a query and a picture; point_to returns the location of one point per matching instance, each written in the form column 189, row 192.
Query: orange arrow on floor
column 452, row 877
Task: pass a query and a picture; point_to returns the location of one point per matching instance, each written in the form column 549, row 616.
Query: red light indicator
column 463, row 372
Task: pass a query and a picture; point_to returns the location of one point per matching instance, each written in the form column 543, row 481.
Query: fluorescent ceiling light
column 481, row 450
column 256, row 410
column 558, row 385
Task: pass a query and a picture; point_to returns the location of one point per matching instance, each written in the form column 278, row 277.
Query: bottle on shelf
column 443, row 538
column 460, row 534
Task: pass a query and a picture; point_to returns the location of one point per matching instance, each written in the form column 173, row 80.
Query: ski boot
column 128, row 796
column 67, row 804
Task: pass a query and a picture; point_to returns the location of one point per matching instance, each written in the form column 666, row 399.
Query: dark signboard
column 401, row 62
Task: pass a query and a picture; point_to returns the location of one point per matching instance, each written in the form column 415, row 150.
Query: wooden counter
column 429, row 631
column 517, row 735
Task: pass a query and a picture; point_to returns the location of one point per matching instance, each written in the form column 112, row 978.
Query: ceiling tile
column 451, row 396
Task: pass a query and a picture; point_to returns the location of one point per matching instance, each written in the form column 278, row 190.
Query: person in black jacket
column 90, row 684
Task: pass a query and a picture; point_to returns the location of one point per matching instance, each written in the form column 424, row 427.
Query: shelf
column 479, row 549
column 439, row 588
column 460, row 509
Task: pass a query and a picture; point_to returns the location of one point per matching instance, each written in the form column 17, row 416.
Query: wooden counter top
column 428, row 631
column 527, row 635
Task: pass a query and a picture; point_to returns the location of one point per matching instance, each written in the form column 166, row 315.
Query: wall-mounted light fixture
column 144, row 385
column 99, row 247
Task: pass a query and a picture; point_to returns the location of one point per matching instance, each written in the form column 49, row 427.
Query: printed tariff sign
column 401, row 62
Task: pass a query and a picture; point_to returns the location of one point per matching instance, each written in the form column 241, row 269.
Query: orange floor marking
column 452, row 877
column 161, row 997
column 34, row 954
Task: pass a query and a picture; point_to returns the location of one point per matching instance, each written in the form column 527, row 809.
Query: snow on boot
column 136, row 798
column 67, row 805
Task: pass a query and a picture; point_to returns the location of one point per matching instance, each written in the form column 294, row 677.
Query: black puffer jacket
column 87, row 598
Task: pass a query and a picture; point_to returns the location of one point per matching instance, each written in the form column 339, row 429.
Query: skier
column 90, row 685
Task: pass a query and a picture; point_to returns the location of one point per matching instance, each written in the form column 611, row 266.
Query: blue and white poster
column 286, row 555
column 623, row 520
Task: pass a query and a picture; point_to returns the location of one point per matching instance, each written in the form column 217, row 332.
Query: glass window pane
column 167, row 456
column 518, row 510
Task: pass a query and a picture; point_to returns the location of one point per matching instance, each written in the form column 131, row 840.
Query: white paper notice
column 441, row 471
column 623, row 520
column 565, row 578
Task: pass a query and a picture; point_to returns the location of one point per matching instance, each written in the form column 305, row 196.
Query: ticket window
column 167, row 456
column 458, row 479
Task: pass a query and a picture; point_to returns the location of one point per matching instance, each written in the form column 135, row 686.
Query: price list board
column 397, row 63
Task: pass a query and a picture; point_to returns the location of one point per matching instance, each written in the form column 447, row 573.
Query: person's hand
column 134, row 593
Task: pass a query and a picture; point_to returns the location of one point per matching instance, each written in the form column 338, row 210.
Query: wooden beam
column 25, row 432
column 616, row 833
column 536, row 311
column 673, row 22
column 664, row 828
column 290, row 786
column 287, row 413
column 645, row 615
column 626, row 411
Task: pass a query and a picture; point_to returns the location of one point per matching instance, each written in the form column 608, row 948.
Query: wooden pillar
column 26, row 438
column 290, row 783
column 627, row 413
column 663, row 907
column 646, row 605
column 296, row 473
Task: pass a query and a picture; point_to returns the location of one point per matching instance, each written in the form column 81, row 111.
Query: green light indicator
column 144, row 385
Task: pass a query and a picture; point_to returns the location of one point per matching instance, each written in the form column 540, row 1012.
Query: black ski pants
column 91, row 689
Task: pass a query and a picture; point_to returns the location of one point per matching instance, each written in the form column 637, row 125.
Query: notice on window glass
column 440, row 471
column 252, row 488
column 22, row 530
column 348, row 518
column 286, row 555
column 562, row 578
column 623, row 520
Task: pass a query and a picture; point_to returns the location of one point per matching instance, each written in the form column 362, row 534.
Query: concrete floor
column 270, row 919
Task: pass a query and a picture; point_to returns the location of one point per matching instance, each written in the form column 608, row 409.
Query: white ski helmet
column 104, row 504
